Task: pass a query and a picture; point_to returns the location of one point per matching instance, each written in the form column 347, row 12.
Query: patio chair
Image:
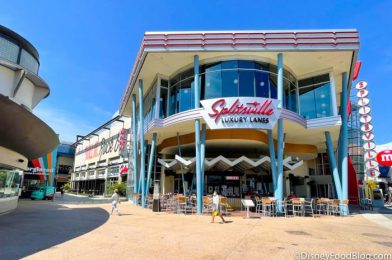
column 298, row 208
column 150, row 201
column 225, row 206
column 267, row 207
column 334, row 208
column 258, row 205
column 321, row 206
column 207, row 205
column 308, row 207
column 181, row 205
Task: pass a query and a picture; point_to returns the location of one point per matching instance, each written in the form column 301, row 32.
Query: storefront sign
column 366, row 129
column 240, row 112
column 385, row 157
column 232, row 178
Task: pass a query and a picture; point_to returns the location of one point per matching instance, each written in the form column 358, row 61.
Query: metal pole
column 279, row 179
column 151, row 161
column 273, row 160
column 332, row 165
column 344, row 142
column 202, row 154
column 142, row 151
column 199, row 189
column 134, row 147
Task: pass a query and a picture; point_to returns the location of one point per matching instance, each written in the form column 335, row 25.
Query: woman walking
column 216, row 208
column 115, row 201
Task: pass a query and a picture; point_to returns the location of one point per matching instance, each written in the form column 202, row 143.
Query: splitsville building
column 241, row 112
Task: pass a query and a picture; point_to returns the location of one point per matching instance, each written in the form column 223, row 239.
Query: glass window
column 232, row 79
column 315, row 97
column 28, row 61
column 322, row 96
column 262, row 84
column 306, row 99
column 163, row 103
column 8, row 50
column 247, row 83
column 9, row 183
column 213, row 82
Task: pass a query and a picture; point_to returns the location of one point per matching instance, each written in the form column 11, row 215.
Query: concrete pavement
column 86, row 231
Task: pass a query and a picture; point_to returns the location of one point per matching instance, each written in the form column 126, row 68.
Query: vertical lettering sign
column 240, row 112
column 371, row 164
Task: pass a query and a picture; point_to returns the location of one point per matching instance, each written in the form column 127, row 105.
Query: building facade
column 52, row 169
column 101, row 157
column 21, row 89
column 242, row 112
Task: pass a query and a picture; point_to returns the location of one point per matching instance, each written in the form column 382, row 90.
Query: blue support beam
column 199, row 193
column 142, row 151
column 151, row 162
column 344, row 142
column 134, row 147
column 203, row 154
column 332, row 165
column 280, row 145
column 273, row 159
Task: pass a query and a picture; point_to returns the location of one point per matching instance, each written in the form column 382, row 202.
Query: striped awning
column 222, row 163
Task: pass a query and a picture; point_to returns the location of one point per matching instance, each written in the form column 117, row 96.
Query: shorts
column 215, row 213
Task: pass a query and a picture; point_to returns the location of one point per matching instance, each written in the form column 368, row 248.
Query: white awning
column 222, row 163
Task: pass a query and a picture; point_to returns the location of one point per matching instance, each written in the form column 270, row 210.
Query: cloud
column 64, row 123
column 98, row 110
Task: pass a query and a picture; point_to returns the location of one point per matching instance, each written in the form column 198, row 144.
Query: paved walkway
column 48, row 230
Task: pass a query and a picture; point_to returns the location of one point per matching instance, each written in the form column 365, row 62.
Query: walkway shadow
column 39, row 225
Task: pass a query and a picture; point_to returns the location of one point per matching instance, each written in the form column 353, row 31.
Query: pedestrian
column 115, row 201
column 62, row 191
column 216, row 208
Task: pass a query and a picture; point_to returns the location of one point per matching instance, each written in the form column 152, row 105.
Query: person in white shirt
column 115, row 201
column 216, row 208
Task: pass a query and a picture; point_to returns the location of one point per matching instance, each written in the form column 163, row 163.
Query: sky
column 87, row 48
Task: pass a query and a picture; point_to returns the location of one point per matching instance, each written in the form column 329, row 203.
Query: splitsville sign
column 371, row 164
column 240, row 112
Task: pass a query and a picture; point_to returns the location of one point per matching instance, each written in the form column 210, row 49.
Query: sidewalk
column 142, row 234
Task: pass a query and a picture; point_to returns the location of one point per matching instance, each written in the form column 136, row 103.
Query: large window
column 315, row 97
column 11, row 51
column 235, row 78
column 9, row 183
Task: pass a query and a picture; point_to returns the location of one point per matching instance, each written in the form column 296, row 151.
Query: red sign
column 385, row 157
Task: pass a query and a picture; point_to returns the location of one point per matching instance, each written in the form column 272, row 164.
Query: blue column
column 142, row 151
column 202, row 152
column 332, row 165
column 273, row 159
column 199, row 192
column 151, row 161
column 344, row 142
column 134, row 147
column 279, row 179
